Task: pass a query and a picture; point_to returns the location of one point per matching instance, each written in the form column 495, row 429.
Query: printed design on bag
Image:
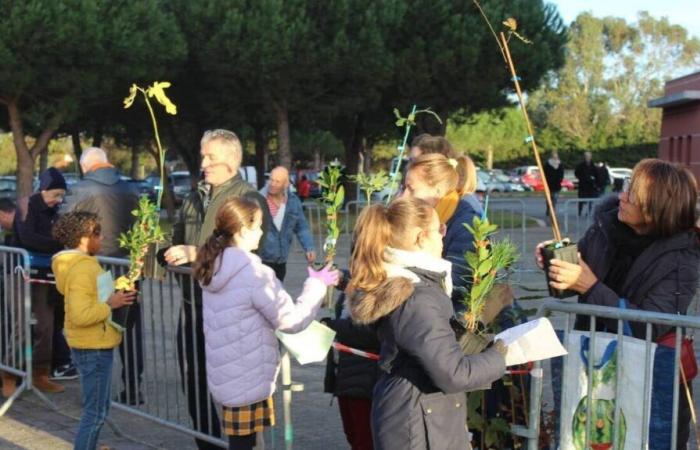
column 602, row 403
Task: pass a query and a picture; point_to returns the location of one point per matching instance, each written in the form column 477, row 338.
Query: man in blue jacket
column 286, row 218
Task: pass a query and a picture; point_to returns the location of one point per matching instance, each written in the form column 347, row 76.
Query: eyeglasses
column 626, row 184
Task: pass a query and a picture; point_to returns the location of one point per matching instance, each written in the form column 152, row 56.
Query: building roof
column 675, row 99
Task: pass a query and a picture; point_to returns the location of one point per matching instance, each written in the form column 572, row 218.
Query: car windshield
column 8, row 185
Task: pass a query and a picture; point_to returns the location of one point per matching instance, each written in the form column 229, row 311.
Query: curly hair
column 75, row 225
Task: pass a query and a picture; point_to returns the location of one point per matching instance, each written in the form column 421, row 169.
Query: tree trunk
column 284, row 151
column 136, row 169
column 27, row 156
column 44, row 161
column 353, row 147
column 97, row 136
column 260, row 154
column 489, row 157
column 77, row 150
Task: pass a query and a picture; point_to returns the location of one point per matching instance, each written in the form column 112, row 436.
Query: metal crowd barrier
column 595, row 312
column 161, row 345
column 509, row 214
column 578, row 216
column 15, row 324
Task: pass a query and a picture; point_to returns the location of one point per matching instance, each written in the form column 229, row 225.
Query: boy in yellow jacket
column 89, row 334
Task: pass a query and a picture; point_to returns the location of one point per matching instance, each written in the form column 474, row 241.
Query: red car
column 530, row 178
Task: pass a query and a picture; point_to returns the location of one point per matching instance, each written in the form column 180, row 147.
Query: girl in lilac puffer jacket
column 243, row 304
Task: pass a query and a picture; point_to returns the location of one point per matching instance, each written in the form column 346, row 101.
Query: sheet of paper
column 310, row 345
column 105, row 286
column 531, row 341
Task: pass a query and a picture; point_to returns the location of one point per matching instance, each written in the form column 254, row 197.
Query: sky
column 681, row 12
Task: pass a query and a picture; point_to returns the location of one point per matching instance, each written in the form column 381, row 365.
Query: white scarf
column 398, row 260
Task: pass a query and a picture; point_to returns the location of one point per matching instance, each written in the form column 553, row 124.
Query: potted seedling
column 145, row 237
column 332, row 198
column 489, row 263
column 562, row 249
column 407, row 123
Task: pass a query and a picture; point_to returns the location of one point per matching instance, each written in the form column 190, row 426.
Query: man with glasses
column 221, row 154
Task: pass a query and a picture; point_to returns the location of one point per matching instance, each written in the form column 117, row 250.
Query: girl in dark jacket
column 401, row 284
column 643, row 247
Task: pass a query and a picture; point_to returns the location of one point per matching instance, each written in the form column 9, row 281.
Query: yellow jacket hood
column 63, row 262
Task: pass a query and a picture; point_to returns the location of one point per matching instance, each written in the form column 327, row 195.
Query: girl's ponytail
column 233, row 215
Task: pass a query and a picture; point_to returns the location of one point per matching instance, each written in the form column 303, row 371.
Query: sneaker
column 65, row 372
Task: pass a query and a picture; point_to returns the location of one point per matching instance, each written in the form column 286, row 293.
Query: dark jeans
column 42, row 331
column 61, row 354
column 131, row 354
column 555, row 199
column 279, row 268
column 95, row 368
column 356, row 416
column 586, row 195
column 192, row 361
column 248, row 442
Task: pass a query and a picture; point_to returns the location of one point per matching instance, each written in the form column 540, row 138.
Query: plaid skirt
column 249, row 419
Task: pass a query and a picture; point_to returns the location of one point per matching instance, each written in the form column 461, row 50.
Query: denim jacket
column 275, row 244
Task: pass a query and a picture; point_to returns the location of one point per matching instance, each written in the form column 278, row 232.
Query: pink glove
column 328, row 276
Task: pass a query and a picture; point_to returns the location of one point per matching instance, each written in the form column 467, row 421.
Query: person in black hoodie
column 554, row 175
column 641, row 248
column 32, row 231
column 587, row 181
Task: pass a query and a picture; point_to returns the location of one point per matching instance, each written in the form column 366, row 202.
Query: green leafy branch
column 486, row 261
column 406, row 122
column 371, row 183
column 145, row 231
column 332, row 196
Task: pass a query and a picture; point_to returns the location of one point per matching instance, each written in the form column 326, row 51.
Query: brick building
column 680, row 123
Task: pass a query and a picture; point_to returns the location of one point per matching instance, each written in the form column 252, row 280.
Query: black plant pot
column 151, row 267
column 564, row 251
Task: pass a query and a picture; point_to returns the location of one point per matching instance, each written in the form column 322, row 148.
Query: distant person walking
column 103, row 192
column 304, row 188
column 602, row 178
column 554, row 175
column 285, row 219
column 587, row 181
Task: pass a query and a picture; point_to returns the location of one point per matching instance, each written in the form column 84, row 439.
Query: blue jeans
column 95, row 369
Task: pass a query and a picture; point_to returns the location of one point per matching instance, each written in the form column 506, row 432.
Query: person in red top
column 304, row 188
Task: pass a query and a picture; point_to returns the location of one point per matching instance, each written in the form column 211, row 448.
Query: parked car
column 507, row 182
column 619, row 173
column 8, row 187
column 530, row 177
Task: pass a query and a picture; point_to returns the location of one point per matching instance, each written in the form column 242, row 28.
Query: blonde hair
column 434, row 172
column 379, row 227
